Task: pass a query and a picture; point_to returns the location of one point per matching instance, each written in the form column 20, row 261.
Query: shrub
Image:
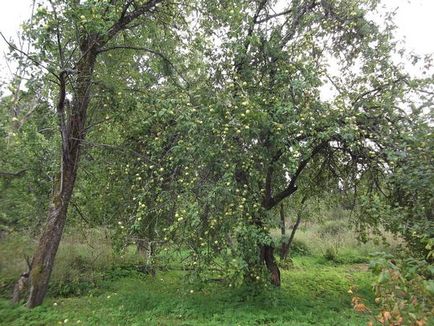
column 299, row 248
column 404, row 290
column 331, row 254
column 333, row 228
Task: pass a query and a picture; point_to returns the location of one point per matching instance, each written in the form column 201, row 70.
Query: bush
column 404, row 290
column 331, row 254
column 299, row 248
column 333, row 228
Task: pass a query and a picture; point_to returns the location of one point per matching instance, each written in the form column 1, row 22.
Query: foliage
column 26, row 164
column 299, row 248
column 404, row 290
column 405, row 206
column 258, row 129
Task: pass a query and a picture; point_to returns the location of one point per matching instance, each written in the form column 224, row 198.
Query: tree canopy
column 190, row 123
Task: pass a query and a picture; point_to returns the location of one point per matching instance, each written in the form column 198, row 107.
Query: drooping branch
column 378, row 89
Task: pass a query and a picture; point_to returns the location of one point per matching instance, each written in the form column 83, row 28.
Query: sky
column 414, row 21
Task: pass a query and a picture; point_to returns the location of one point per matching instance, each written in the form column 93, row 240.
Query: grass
column 337, row 242
column 91, row 285
column 313, row 293
column 81, row 262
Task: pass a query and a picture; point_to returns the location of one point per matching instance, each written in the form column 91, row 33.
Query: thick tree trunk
column 72, row 129
column 43, row 259
column 267, row 255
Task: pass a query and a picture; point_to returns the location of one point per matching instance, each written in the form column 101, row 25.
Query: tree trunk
column 282, row 231
column 72, row 129
column 282, row 221
column 143, row 248
column 286, row 245
column 267, row 255
column 43, row 259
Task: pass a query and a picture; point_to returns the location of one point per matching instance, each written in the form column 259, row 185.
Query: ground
column 314, row 292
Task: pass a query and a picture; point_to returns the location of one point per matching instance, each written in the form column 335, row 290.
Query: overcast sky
column 414, row 20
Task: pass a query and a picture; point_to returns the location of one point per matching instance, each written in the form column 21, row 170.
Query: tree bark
column 72, row 129
column 286, row 245
column 282, row 228
column 267, row 255
column 43, row 259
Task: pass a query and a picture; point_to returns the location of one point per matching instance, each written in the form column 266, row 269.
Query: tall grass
column 333, row 238
column 84, row 258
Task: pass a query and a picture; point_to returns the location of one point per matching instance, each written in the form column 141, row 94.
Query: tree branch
column 144, row 49
column 36, row 62
column 263, row 20
column 13, row 174
column 292, row 187
column 239, row 64
column 125, row 18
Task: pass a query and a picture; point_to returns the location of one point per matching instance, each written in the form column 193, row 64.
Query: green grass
column 84, row 257
column 91, row 285
column 313, row 292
